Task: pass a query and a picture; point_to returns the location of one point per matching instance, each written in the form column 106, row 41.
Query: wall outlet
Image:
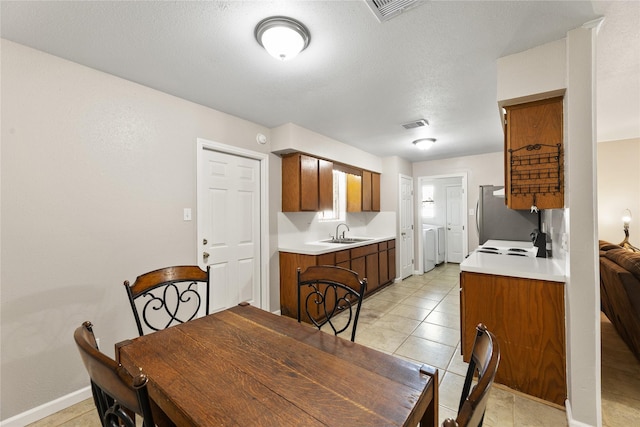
column 187, row 214
column 564, row 242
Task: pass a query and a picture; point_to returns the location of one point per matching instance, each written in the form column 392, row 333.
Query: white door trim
column 465, row 207
column 401, row 252
column 204, row 144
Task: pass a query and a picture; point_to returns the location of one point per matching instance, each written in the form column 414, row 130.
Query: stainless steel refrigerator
column 497, row 222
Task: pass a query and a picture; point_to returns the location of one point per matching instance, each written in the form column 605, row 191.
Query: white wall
column 95, row 174
column 483, row 169
column 618, row 189
column 392, row 168
column 524, row 76
column 290, row 137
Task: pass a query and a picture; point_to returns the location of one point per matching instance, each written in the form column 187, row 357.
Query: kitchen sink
column 346, row 240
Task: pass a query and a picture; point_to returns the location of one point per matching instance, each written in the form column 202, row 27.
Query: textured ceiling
column 359, row 79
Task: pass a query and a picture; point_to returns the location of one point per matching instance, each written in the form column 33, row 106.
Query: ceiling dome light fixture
column 282, row 37
column 424, row 143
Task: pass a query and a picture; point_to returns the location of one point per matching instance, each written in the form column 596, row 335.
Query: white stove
column 508, row 248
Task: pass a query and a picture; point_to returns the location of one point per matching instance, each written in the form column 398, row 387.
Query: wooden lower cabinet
column 375, row 262
column 527, row 317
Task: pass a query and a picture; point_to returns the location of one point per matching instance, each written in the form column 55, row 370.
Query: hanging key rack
column 535, row 169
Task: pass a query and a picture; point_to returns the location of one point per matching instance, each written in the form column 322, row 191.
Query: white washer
column 434, row 245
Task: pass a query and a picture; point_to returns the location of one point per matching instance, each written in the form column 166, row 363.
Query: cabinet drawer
column 342, row 256
column 327, row 259
column 391, row 243
column 382, row 246
column 363, row 251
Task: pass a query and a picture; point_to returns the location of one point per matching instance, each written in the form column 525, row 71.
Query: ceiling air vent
column 387, row 9
column 417, row 124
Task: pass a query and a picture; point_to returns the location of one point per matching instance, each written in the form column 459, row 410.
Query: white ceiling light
column 282, row 37
column 424, row 143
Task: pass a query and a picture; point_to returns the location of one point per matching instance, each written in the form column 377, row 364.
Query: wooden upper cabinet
column 325, row 185
column 354, row 193
column 534, row 155
column 375, row 192
column 309, row 187
column 363, row 192
column 307, row 183
column 366, row 191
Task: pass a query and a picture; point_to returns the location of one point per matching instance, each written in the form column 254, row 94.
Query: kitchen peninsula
column 521, row 300
column 373, row 258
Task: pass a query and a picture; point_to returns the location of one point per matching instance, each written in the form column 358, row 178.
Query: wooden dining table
column 248, row 367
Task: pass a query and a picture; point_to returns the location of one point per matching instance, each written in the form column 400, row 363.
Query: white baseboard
column 42, row 411
column 277, row 312
column 570, row 421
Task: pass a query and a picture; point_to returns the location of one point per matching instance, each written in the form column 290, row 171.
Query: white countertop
column 320, row 247
column 503, row 265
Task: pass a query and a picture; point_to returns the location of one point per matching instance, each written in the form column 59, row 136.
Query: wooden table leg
column 430, row 417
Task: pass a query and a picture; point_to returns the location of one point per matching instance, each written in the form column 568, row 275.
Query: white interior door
column 229, row 218
column 406, row 226
column 455, row 224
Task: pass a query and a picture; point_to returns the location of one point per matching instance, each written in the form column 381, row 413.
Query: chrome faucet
column 337, row 228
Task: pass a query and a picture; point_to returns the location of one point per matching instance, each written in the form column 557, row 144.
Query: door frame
column 205, row 144
column 418, row 209
column 465, row 225
column 400, row 246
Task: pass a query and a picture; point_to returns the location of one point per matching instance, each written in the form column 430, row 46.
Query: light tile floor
column 418, row 319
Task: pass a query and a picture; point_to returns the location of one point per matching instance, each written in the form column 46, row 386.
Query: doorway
column 406, row 227
column 455, row 223
column 443, row 202
column 232, row 226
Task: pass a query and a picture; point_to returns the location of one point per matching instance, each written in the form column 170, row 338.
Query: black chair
column 168, row 296
column 118, row 395
column 331, row 295
column 485, row 358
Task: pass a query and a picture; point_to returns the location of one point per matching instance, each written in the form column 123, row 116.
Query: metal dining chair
column 485, row 358
column 168, row 296
column 117, row 394
column 330, row 296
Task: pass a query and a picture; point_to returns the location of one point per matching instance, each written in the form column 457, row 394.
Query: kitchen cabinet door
column 375, row 192
column 354, row 193
column 370, row 187
column 383, row 263
column 366, row 191
column 309, row 187
column 343, row 259
column 527, row 318
column 359, row 266
column 372, row 265
column 392, row 260
column 307, row 183
column 325, row 185
column 534, row 159
column 289, row 263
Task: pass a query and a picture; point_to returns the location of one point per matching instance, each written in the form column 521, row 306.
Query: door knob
column 205, row 255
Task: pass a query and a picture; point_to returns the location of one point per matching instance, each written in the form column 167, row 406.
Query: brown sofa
column 620, row 292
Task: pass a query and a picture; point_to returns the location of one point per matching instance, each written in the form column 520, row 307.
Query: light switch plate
column 187, row 214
